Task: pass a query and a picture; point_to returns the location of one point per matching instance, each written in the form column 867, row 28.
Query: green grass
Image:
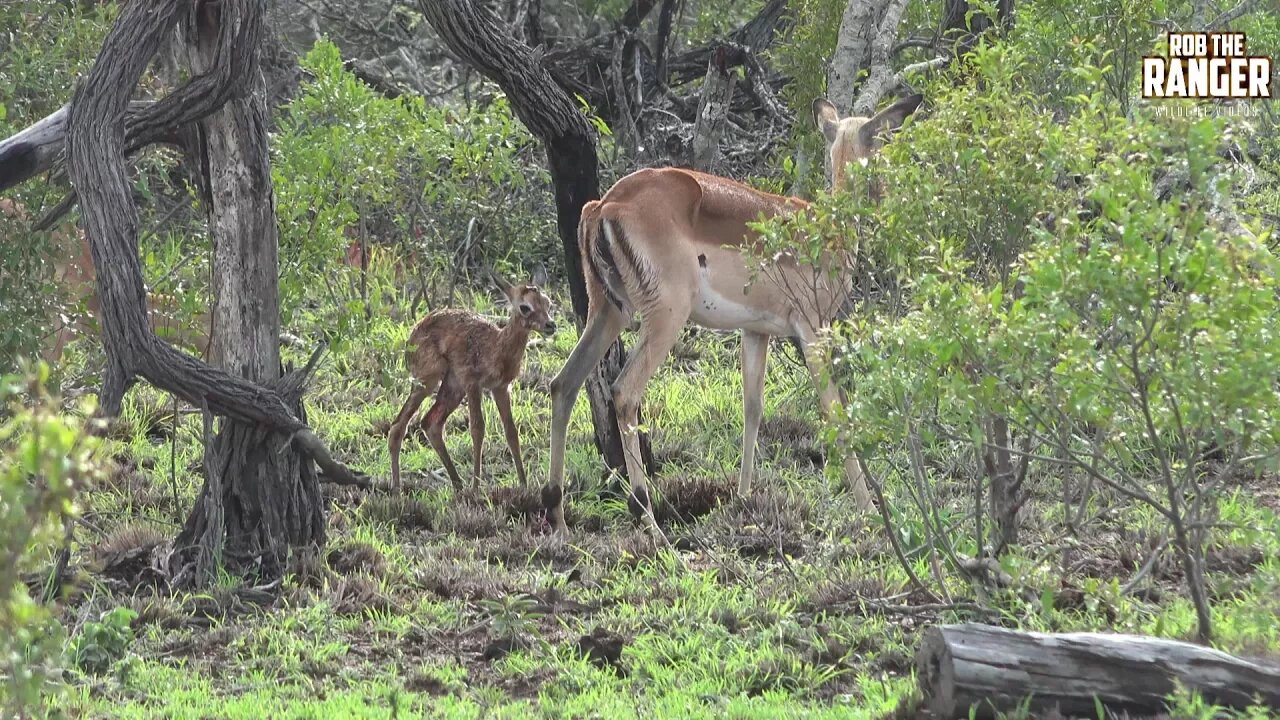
column 789, row 603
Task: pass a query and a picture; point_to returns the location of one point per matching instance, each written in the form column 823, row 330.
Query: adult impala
column 667, row 244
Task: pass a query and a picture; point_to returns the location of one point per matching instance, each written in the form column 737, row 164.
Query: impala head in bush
column 857, row 138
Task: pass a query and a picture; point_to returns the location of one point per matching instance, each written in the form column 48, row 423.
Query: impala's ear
column 500, row 281
column 826, row 118
column 540, row 276
column 889, row 118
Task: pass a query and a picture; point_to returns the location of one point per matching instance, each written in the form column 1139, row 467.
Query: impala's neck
column 513, row 339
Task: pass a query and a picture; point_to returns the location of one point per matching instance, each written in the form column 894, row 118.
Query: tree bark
column 880, row 79
column 97, row 141
column 853, row 48
column 713, row 110
column 1005, row 479
column 477, row 36
column 256, row 502
column 993, row 670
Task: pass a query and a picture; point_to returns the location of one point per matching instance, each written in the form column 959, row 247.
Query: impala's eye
column 525, row 308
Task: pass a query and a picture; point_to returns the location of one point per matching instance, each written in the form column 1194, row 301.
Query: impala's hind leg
column 659, row 330
column 395, row 437
column 447, row 400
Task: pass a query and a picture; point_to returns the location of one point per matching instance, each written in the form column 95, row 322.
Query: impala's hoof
column 553, row 504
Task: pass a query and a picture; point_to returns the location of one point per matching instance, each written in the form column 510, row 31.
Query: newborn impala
column 458, row 355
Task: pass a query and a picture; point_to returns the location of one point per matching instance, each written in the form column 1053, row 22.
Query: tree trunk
column 956, row 28
column 993, row 670
column 713, row 110
column 1006, row 481
column 880, row 78
column 257, row 501
column 476, row 35
column 853, row 50
column 99, row 134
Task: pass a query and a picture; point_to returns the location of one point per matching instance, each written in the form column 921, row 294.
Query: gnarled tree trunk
column 273, row 502
column 477, row 36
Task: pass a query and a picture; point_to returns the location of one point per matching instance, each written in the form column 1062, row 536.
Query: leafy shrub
column 348, row 161
column 1111, row 35
column 99, row 645
column 45, row 456
column 1062, row 291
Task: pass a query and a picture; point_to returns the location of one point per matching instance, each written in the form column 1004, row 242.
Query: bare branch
column 880, row 75
column 1244, row 8
column 915, row 41
column 32, row 150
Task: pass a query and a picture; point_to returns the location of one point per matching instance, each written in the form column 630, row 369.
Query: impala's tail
column 604, row 281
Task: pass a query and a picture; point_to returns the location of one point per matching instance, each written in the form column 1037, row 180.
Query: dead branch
column 974, row 670
column 880, row 78
column 713, row 109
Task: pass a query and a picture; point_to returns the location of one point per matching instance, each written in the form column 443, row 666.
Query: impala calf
column 667, row 244
column 458, row 355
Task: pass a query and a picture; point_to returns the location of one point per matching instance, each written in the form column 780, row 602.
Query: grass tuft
column 686, row 499
column 358, row 557
column 470, row 520
column 406, row 512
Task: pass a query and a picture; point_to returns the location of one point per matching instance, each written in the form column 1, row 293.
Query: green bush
column 1112, row 35
column 1062, row 290
column 42, row 50
column 45, row 458
column 99, row 645
column 348, row 160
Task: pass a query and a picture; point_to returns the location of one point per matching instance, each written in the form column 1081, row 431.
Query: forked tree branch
column 40, row 147
column 96, row 147
column 1244, row 8
column 880, row 73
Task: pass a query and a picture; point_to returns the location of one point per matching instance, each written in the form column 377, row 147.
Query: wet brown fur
column 458, row 355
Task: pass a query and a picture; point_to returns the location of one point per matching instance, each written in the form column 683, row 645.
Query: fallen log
column 994, row 669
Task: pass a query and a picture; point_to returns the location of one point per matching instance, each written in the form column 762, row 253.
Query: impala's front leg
column 477, row 433
column 829, row 406
column 755, row 355
column 659, row 330
column 603, row 327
